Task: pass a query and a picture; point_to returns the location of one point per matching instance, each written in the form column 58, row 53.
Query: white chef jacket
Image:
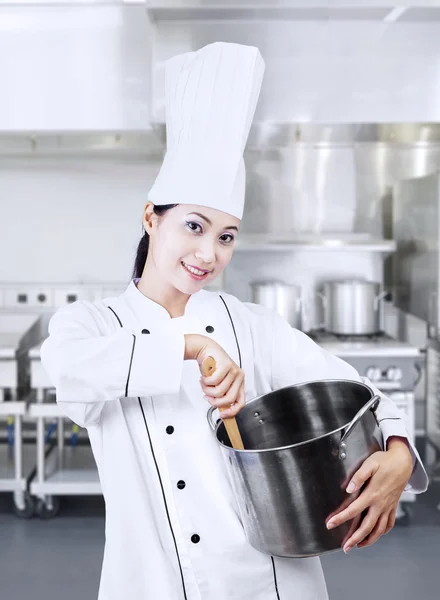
column 173, row 530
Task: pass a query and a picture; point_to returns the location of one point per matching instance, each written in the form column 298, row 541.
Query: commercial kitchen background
column 350, row 105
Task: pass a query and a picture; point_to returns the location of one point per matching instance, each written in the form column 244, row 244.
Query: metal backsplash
column 334, row 178
column 326, row 180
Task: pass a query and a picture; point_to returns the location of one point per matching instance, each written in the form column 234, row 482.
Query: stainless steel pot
column 281, row 297
column 352, row 307
column 302, row 445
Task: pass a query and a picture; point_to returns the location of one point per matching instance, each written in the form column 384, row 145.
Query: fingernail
column 331, row 525
column 351, row 487
column 347, row 549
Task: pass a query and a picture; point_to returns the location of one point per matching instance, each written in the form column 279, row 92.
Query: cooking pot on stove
column 302, row 445
column 352, row 307
column 283, row 298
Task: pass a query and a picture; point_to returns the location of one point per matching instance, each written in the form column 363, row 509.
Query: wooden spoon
column 208, row 368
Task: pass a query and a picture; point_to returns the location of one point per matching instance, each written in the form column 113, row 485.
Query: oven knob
column 394, row 373
column 373, row 373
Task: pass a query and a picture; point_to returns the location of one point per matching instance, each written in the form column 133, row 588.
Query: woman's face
column 190, row 245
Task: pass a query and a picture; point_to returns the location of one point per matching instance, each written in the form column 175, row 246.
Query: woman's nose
column 206, row 252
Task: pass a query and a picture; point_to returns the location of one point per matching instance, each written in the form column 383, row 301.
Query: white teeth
column 195, row 271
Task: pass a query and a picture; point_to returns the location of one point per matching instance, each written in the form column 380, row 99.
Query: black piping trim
column 129, row 368
column 132, row 352
column 389, row 419
column 158, row 474
column 239, row 358
column 119, row 320
column 164, row 499
column 275, row 577
column 233, row 328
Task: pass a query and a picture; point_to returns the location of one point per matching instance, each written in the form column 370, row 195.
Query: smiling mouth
column 198, row 273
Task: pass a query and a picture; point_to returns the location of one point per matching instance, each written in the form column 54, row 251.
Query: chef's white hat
column 210, row 96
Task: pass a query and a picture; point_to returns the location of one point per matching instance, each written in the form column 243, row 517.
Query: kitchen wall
column 74, row 67
column 71, row 219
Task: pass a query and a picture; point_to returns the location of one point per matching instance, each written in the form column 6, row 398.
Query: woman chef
column 127, row 368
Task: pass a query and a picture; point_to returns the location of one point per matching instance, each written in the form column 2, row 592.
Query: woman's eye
column 196, row 227
column 227, row 238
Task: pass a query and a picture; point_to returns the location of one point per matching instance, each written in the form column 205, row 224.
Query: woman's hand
column 225, row 388
column 387, row 474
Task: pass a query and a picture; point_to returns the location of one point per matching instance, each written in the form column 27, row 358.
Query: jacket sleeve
column 88, row 368
column 297, row 358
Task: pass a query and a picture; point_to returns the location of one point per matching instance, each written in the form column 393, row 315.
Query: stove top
column 392, row 365
column 379, row 344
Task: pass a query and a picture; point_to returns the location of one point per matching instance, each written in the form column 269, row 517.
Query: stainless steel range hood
column 326, row 62
column 207, row 10
column 265, row 136
column 298, row 10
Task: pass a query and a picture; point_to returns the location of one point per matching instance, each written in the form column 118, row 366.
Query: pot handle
column 372, row 404
column 378, row 298
column 211, row 422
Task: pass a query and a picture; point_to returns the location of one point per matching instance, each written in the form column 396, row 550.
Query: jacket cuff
column 394, row 427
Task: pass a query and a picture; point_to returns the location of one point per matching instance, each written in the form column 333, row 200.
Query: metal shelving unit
column 16, row 461
column 61, row 470
column 355, row 242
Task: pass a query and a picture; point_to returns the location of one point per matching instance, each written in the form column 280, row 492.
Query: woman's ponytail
column 142, row 249
column 141, row 256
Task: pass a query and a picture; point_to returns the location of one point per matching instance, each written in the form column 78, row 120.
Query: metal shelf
column 70, row 471
column 258, row 243
column 9, row 482
column 66, row 470
column 12, row 409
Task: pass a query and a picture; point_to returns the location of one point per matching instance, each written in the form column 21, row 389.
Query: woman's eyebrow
column 210, row 223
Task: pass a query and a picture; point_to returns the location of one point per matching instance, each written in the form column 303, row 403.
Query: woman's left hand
column 387, row 474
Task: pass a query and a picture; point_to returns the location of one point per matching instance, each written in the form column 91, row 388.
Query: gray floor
column 61, row 558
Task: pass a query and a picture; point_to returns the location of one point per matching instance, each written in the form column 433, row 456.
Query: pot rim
column 295, row 385
column 352, row 281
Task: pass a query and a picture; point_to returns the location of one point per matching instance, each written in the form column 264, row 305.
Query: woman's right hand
column 224, row 389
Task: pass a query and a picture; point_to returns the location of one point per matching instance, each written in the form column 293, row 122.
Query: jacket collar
column 148, row 310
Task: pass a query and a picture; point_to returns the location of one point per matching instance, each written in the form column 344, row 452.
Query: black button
column 181, row 485
column 170, row 429
column 145, row 331
column 210, row 329
column 195, row 538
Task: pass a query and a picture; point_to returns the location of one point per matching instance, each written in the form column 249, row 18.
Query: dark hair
column 142, row 249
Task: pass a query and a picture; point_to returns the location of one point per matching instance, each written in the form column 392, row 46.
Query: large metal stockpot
column 302, row 445
column 283, row 298
column 352, row 307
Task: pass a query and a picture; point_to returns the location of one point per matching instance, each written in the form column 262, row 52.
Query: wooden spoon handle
column 208, row 368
